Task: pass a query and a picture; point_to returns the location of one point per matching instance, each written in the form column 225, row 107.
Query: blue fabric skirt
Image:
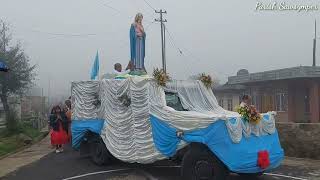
column 139, row 61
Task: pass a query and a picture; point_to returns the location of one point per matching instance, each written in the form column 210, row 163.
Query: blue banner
column 95, row 68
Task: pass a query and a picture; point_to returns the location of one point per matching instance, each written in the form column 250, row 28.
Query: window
column 256, row 101
column 230, row 105
column 221, row 102
column 281, row 102
column 173, row 100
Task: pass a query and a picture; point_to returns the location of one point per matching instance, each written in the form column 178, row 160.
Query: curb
column 45, row 134
column 297, row 158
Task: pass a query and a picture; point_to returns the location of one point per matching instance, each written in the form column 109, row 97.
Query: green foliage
column 9, row 144
column 27, row 129
column 10, row 141
column 24, row 128
column 20, row 75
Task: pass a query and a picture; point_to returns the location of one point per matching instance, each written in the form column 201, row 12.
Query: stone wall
column 300, row 139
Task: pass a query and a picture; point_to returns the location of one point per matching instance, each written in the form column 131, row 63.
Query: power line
column 88, row 34
column 148, row 25
column 106, row 4
column 149, row 5
column 191, row 56
column 117, row 10
column 172, row 41
column 111, row 7
column 64, row 34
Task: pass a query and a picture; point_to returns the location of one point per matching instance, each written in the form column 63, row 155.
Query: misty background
column 216, row 37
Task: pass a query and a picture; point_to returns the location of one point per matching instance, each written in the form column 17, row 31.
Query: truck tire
column 200, row 163
column 84, row 148
column 99, row 153
column 252, row 176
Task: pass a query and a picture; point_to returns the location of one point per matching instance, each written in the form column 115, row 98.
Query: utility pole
column 4, row 37
column 162, row 21
column 49, row 83
column 314, row 43
column 164, row 48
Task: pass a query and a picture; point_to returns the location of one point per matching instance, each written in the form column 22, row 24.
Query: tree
column 20, row 75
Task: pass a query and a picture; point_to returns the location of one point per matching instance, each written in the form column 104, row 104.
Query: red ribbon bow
column 263, row 159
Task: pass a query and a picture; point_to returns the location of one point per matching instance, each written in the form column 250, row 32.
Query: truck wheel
column 251, row 176
column 99, row 153
column 201, row 163
column 84, row 148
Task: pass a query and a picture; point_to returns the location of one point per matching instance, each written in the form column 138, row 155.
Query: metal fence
column 37, row 121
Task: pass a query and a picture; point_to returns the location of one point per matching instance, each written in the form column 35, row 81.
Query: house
column 229, row 96
column 293, row 92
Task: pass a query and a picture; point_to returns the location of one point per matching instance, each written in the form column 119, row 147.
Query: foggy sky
column 217, row 37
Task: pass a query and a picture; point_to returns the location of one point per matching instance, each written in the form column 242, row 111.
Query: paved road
column 69, row 165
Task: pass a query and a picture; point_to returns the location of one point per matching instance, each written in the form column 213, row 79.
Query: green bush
column 21, row 127
column 10, row 141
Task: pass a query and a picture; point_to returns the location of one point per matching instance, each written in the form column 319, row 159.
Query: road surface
column 69, row 165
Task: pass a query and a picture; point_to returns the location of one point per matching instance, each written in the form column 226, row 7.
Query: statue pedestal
column 138, row 72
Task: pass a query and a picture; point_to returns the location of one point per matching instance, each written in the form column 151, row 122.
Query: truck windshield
column 173, row 101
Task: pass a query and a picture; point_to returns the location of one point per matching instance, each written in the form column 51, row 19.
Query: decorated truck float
column 135, row 120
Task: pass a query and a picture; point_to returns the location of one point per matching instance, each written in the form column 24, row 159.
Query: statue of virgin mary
column 137, row 44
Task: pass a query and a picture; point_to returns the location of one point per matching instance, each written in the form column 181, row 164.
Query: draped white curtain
column 127, row 130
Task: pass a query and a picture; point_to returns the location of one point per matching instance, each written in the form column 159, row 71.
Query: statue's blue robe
column 133, row 41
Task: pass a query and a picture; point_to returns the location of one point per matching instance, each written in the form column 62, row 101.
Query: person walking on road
column 68, row 114
column 59, row 129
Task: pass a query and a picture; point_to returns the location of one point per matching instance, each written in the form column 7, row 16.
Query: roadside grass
column 9, row 144
column 11, row 141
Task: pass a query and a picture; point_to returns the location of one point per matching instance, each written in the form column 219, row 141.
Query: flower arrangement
column 249, row 113
column 206, row 80
column 161, row 76
column 244, row 112
column 254, row 116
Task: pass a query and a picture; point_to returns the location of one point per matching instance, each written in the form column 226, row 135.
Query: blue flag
column 95, row 68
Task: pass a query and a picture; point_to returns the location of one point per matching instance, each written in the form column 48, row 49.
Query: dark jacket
column 54, row 122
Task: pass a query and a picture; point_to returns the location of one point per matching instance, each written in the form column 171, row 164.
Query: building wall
column 224, row 97
column 295, row 100
column 304, row 101
column 300, row 105
column 282, row 117
column 270, row 96
column 314, row 92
